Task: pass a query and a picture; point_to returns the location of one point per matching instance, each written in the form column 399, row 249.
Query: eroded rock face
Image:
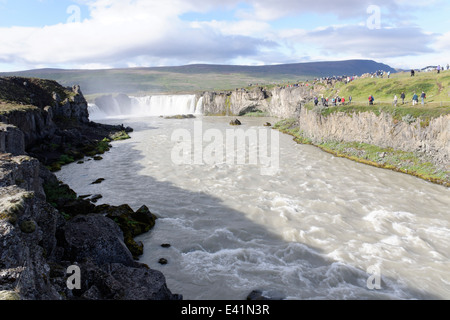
column 12, row 140
column 381, row 130
column 37, row 243
column 283, row 102
column 28, row 225
column 37, row 246
column 96, row 237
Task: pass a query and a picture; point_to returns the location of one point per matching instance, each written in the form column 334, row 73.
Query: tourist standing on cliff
column 423, row 96
column 403, row 96
column 439, row 69
column 415, row 99
column 395, row 100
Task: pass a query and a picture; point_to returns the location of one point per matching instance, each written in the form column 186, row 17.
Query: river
column 316, row 227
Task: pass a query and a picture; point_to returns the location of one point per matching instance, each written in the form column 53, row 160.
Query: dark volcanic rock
column 98, row 181
column 131, row 223
column 257, row 295
column 142, row 283
column 44, row 226
column 98, row 238
column 235, row 122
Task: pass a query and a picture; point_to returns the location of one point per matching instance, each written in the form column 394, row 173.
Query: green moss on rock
column 28, row 226
column 131, row 223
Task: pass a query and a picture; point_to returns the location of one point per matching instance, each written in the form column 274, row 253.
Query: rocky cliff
column 427, row 139
column 432, row 139
column 283, row 102
column 45, row 228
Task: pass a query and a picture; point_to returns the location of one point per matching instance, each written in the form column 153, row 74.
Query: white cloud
column 124, row 30
column 250, row 28
column 148, row 33
column 275, row 9
column 360, row 41
column 443, row 43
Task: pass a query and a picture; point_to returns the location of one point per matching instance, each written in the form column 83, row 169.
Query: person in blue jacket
column 423, row 96
column 415, row 99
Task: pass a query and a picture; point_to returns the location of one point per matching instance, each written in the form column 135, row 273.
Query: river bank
column 418, row 164
column 46, row 229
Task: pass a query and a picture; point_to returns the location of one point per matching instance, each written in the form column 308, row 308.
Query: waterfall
column 199, row 108
column 95, row 113
column 149, row 106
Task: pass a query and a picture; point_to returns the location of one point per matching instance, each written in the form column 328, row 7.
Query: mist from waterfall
column 148, row 106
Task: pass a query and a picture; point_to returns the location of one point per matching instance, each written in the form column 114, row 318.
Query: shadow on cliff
column 312, row 276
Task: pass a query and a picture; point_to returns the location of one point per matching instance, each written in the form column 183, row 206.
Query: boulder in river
column 235, row 122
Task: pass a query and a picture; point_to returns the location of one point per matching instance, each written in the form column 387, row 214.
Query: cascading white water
column 95, row 110
column 150, row 106
column 199, row 107
column 321, row 228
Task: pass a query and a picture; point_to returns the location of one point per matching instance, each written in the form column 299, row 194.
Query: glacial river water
column 318, row 227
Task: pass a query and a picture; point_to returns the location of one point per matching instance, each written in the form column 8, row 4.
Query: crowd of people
column 338, row 101
column 380, row 74
column 415, row 98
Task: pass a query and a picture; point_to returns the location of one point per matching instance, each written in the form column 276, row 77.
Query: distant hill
column 199, row 77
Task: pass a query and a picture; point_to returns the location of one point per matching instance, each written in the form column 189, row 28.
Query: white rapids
column 320, row 228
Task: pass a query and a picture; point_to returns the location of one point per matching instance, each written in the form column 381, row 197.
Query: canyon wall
column 39, row 242
column 381, row 130
column 282, row 102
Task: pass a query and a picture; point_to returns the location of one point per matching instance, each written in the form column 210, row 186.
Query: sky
column 99, row 34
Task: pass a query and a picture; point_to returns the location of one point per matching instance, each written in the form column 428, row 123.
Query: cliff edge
column 53, row 244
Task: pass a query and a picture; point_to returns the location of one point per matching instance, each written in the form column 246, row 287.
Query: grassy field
column 436, row 86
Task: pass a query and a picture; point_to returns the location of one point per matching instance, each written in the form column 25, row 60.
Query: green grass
column 436, row 86
column 388, row 158
column 425, row 113
column 257, row 114
column 7, row 107
column 122, row 135
column 17, row 91
column 290, row 126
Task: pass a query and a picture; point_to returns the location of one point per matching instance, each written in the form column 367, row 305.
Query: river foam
column 315, row 230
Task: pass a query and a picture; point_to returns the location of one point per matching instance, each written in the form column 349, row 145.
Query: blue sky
column 135, row 33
